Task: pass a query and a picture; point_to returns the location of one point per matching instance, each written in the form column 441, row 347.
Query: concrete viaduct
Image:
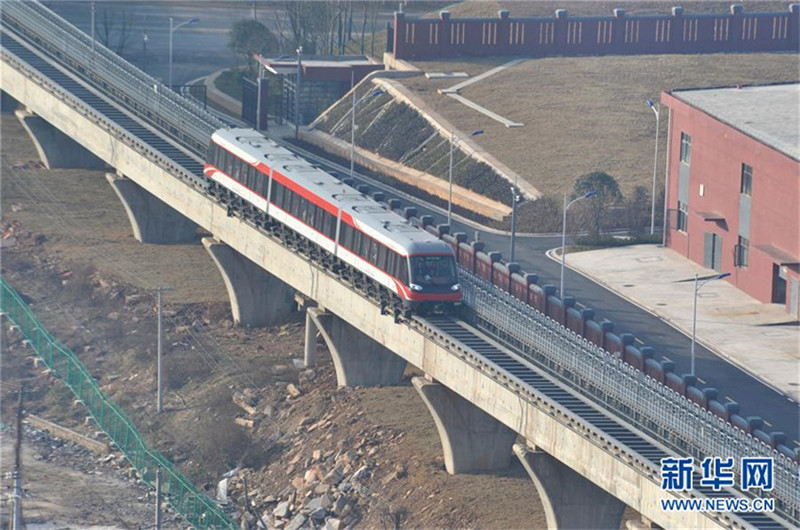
column 483, row 416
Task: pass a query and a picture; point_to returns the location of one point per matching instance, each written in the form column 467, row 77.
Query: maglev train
column 417, row 269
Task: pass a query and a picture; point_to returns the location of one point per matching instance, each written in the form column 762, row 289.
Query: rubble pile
column 324, row 467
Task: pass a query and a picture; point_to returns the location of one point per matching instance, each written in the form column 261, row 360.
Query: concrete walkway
column 453, row 92
column 762, row 339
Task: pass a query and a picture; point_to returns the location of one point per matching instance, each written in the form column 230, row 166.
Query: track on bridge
column 458, row 331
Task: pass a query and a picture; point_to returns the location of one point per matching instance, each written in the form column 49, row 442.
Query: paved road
column 756, row 398
column 202, row 49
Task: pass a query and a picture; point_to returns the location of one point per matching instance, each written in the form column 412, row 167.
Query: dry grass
column 584, row 114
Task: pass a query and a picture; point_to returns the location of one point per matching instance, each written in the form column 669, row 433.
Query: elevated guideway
column 568, row 400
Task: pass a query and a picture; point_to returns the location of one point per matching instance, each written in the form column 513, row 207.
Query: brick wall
column 620, row 34
column 717, row 154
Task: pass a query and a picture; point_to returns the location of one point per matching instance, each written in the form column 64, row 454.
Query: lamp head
column 193, row 21
column 723, row 275
column 650, row 103
column 476, row 133
column 590, row 194
column 376, row 93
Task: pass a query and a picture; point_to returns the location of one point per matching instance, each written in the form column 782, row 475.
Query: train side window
column 228, row 163
column 311, row 214
column 234, row 165
column 383, row 262
column 390, row 261
column 330, row 226
column 368, row 248
column 223, row 161
column 251, row 178
column 277, row 193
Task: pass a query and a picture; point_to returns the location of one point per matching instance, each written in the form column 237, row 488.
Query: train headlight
column 456, row 287
column 415, row 287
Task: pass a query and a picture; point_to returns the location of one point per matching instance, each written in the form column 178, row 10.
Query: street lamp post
column 144, row 51
column 297, row 93
column 697, row 286
column 173, row 29
column 515, row 198
column 564, row 236
column 453, row 141
column 655, row 169
column 93, row 39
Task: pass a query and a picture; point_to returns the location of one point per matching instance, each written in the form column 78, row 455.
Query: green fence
column 182, row 495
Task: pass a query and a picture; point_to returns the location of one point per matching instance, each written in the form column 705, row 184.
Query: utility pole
column 158, row 498
column 159, row 375
column 17, row 474
column 297, row 94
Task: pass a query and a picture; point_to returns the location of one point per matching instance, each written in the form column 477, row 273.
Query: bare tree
column 364, row 28
column 113, row 33
column 374, row 8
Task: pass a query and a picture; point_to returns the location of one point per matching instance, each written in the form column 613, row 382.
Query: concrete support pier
column 56, row 149
column 310, row 346
column 8, row 105
column 359, row 360
column 257, row 297
column 152, row 221
column 570, row 500
column 472, row 440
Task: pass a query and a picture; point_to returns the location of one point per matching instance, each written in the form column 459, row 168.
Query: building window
column 686, row 148
column 683, row 211
column 743, row 252
column 747, row 180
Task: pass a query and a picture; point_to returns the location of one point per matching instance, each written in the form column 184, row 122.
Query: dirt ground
column 585, row 114
column 51, row 468
column 91, row 284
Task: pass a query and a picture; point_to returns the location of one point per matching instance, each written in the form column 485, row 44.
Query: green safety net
column 182, row 495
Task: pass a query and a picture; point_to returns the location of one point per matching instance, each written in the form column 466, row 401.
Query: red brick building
column 733, row 189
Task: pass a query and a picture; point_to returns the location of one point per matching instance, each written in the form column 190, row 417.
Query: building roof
column 768, row 113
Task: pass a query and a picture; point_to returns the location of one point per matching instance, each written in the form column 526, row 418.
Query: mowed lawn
column 584, row 114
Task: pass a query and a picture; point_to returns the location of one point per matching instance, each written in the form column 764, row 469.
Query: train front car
column 433, row 278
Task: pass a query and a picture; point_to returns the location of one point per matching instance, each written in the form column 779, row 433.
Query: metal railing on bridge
column 180, row 117
column 183, row 496
column 669, row 417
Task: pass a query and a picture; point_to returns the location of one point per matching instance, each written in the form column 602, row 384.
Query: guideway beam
column 358, row 359
column 152, row 220
column 56, row 149
column 570, row 500
column 257, row 297
column 472, row 440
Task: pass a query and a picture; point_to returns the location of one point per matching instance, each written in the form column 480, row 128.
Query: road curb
column 727, row 358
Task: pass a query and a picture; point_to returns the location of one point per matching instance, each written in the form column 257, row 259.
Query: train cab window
column 433, row 270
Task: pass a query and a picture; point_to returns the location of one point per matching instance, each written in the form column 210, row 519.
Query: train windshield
column 433, row 270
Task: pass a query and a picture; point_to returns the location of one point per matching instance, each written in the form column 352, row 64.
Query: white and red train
column 411, row 264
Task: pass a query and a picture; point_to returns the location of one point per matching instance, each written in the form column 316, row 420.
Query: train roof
column 371, row 217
